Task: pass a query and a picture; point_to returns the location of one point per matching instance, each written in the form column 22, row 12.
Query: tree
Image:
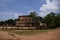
column 57, row 20
column 34, row 14
column 50, row 19
column 36, row 18
column 10, row 22
column 1, row 23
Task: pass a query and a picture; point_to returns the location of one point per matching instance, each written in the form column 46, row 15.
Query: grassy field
column 25, row 32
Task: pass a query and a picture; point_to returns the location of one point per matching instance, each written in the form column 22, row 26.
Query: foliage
column 1, row 23
column 57, row 20
column 52, row 19
column 7, row 22
column 35, row 16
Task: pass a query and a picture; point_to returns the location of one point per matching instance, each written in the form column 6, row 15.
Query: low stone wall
column 27, row 27
column 14, row 27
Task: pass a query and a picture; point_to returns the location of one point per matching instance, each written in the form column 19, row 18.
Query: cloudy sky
column 13, row 8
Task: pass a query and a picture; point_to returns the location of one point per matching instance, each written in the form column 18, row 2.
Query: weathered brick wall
column 22, row 21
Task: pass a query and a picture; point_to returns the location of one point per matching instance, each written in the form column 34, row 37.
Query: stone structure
column 26, row 22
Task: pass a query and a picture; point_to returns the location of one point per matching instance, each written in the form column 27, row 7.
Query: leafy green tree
column 57, row 20
column 36, row 18
column 10, row 22
column 50, row 19
column 1, row 23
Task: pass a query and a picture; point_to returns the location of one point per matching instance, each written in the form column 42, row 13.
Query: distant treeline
column 10, row 22
column 51, row 19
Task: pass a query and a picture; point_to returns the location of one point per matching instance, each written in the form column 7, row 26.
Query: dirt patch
column 50, row 35
column 8, row 36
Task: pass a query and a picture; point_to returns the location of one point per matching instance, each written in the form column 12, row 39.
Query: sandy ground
column 50, row 35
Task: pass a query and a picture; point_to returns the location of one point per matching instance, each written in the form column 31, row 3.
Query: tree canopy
column 52, row 19
column 7, row 22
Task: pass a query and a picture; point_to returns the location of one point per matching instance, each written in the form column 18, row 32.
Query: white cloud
column 17, row 14
column 50, row 6
column 30, row 11
column 47, row 1
column 10, row 15
column 6, row 15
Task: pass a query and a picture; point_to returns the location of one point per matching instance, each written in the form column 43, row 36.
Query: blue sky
column 13, row 8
